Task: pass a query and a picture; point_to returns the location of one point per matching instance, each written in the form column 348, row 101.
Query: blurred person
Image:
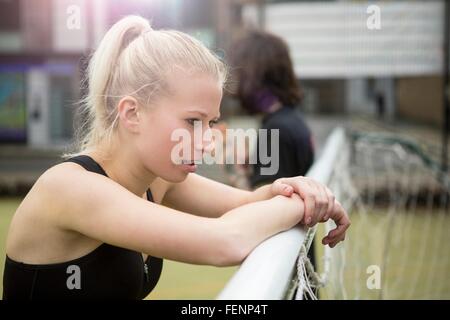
column 99, row 224
column 266, row 86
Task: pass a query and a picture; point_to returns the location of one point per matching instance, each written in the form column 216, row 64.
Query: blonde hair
column 133, row 59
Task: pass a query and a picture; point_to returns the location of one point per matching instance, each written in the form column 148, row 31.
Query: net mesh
column 399, row 242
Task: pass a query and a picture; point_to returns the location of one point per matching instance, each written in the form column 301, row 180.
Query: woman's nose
column 206, row 143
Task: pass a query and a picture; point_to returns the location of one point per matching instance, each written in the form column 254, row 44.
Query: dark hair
column 261, row 61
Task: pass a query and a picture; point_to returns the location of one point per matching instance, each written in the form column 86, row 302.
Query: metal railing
column 267, row 272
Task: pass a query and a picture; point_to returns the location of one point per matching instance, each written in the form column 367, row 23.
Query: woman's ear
column 128, row 109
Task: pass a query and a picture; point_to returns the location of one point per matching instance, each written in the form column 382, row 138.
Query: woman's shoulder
column 62, row 174
column 35, row 219
column 49, row 188
column 54, row 179
column 50, row 194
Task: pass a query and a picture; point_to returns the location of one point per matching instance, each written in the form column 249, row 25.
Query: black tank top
column 108, row 272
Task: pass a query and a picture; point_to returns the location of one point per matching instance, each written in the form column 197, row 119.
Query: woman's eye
column 192, row 121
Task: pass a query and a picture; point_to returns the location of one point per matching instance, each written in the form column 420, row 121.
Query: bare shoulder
column 53, row 188
column 33, row 231
column 46, row 194
column 61, row 173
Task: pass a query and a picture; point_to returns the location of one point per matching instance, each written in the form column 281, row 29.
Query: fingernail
column 308, row 220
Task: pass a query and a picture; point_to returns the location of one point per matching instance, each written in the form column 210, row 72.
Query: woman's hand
column 319, row 200
column 320, row 205
column 340, row 217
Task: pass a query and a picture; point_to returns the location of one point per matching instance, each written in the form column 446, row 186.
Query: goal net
column 398, row 246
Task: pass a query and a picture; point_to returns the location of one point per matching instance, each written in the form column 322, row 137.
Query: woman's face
column 193, row 97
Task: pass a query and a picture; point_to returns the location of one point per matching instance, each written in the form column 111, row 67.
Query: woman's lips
column 191, row 161
column 189, row 165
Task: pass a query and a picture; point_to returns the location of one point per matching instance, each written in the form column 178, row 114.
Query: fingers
column 318, row 199
column 320, row 202
column 330, row 208
column 332, row 242
column 342, row 221
column 287, row 190
column 337, row 232
column 310, row 207
column 280, row 188
column 319, row 206
column 315, row 197
column 323, row 203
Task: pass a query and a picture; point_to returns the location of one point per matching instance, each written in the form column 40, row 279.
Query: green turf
column 178, row 280
column 7, row 208
column 184, row 281
column 416, row 256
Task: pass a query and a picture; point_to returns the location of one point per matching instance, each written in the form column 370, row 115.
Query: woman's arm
column 205, row 197
column 101, row 209
column 208, row 198
column 257, row 221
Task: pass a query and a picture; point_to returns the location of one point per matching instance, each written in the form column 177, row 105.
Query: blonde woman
column 98, row 224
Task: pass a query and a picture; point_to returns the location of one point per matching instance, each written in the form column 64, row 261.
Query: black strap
column 91, row 165
column 88, row 163
column 149, row 195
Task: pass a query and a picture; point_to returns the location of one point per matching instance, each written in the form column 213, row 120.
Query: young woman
column 99, row 224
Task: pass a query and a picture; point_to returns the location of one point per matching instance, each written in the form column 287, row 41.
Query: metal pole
column 446, row 110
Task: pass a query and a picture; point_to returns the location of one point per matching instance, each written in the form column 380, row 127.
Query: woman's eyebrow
column 203, row 114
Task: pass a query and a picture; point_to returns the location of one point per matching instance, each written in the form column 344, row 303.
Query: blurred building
column 347, row 67
column 393, row 72
column 350, row 65
column 44, row 49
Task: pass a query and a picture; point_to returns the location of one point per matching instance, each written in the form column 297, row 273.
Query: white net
column 398, row 246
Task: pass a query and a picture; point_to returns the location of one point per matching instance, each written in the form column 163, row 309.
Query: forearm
column 260, row 194
column 252, row 223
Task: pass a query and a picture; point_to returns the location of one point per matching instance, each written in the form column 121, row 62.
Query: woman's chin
column 176, row 175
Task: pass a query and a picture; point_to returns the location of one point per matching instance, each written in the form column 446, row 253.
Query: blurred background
column 388, row 78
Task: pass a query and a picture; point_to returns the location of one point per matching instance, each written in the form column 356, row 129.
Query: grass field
column 411, row 249
column 178, row 280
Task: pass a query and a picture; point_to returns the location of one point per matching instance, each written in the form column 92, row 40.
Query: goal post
column 269, row 271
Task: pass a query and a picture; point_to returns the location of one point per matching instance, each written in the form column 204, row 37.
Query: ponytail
column 132, row 59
